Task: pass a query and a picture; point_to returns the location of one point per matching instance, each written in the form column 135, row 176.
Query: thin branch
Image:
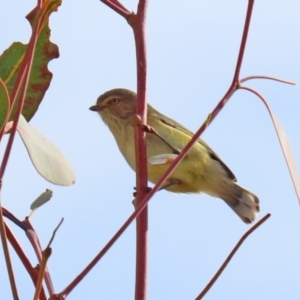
column 151, row 130
column 26, row 263
column 35, row 242
column 228, row 259
column 6, row 252
column 138, row 23
column 12, row 218
column 54, row 232
column 120, row 5
column 243, row 41
column 266, row 77
column 118, row 8
column 43, row 265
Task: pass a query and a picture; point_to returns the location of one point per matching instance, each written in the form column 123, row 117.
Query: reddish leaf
column 40, row 76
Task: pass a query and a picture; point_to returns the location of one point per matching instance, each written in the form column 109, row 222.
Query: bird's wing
column 162, row 118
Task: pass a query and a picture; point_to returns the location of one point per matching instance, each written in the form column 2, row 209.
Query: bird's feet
column 146, row 189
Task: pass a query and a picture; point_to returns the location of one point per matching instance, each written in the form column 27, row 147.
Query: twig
column 43, row 266
column 12, row 218
column 6, row 252
column 228, row 259
column 45, row 256
column 243, row 41
column 117, row 7
column 26, row 263
column 151, row 130
column 137, row 22
column 34, row 240
column 266, row 77
column 119, row 4
column 54, row 232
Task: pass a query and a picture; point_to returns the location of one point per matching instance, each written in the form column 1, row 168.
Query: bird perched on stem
column 201, row 171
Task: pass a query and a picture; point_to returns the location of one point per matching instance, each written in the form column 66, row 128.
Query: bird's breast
column 191, row 169
column 125, row 142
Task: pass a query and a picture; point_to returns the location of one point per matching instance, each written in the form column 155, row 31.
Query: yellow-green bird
column 201, row 171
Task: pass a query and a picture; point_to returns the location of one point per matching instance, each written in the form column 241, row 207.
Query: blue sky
column 192, row 50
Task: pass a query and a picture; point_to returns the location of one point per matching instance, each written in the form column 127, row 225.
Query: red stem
column 31, row 271
column 137, row 23
column 228, row 259
column 12, row 218
column 6, row 253
column 120, row 5
column 35, row 242
column 118, row 8
column 244, row 41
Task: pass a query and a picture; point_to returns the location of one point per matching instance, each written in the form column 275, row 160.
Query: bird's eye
column 114, row 101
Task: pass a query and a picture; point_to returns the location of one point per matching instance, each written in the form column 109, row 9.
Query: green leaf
column 41, row 199
column 40, row 76
column 46, row 158
column 4, row 104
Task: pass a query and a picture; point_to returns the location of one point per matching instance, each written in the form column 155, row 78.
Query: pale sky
column 192, row 51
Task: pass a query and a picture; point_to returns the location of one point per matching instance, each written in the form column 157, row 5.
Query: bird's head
column 116, row 105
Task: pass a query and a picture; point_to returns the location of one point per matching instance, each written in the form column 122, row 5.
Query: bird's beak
column 95, row 108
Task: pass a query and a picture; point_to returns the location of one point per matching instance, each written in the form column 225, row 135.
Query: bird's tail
column 244, row 203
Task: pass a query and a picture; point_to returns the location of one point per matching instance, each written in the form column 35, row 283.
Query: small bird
column 201, row 171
